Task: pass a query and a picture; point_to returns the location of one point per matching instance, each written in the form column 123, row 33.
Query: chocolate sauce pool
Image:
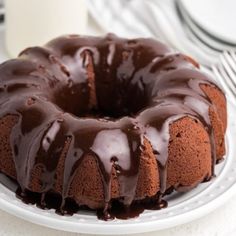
column 141, row 88
column 53, row 201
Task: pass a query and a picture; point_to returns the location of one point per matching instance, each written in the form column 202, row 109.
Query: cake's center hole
column 107, row 92
column 106, row 105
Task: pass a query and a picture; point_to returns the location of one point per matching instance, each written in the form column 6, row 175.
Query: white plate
column 215, row 16
column 182, row 208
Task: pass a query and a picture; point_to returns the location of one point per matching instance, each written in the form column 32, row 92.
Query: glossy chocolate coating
column 142, row 86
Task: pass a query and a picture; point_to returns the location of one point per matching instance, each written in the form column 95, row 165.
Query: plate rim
column 110, row 229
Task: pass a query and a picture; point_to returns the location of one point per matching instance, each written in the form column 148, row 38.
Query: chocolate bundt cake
column 101, row 122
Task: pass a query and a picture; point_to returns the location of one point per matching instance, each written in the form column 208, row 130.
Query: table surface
column 221, row 222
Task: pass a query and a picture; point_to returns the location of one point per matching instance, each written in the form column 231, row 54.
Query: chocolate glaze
column 141, row 88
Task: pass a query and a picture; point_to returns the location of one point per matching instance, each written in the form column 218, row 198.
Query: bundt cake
column 101, row 122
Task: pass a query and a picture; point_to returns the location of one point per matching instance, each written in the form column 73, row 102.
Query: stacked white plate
column 217, row 17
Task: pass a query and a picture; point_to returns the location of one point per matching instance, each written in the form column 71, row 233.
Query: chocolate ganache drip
column 139, row 88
